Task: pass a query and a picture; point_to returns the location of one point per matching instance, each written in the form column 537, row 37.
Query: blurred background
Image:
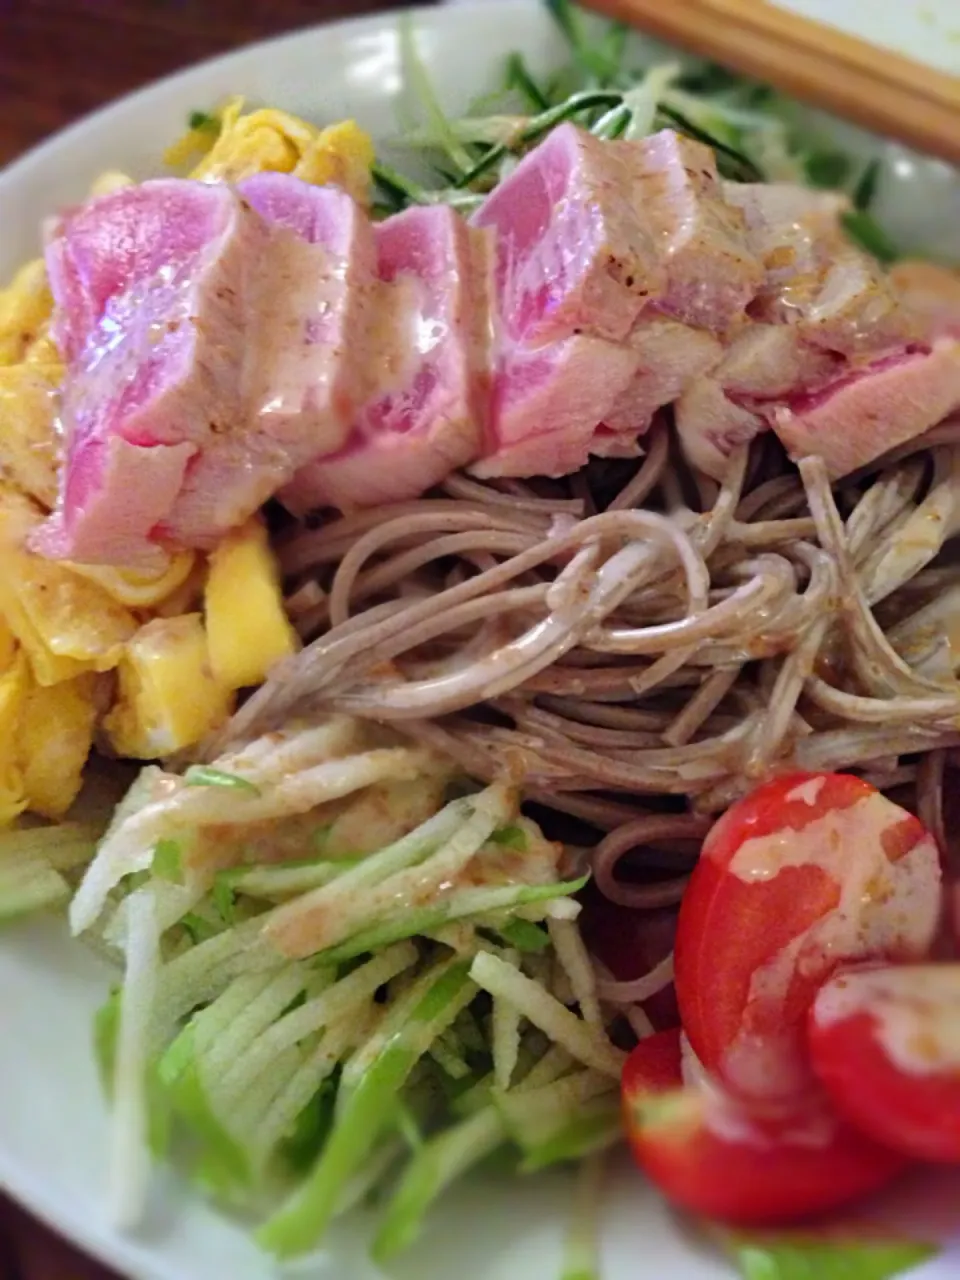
column 60, row 59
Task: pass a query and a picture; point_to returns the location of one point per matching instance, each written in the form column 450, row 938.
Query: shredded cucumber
column 285, row 1078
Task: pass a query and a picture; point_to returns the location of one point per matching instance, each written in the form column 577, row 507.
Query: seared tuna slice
column 427, row 393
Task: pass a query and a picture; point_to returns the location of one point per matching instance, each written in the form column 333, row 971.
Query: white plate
column 52, row 1122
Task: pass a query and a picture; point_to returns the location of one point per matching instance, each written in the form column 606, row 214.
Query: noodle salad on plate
column 479, row 654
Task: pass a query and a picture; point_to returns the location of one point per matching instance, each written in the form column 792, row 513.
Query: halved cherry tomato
column 809, row 871
column 702, row 1151
column 886, row 1044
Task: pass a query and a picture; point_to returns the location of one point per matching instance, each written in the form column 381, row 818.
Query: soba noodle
column 639, row 631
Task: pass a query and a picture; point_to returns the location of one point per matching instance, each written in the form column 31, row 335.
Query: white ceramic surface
column 52, row 1122
column 927, row 30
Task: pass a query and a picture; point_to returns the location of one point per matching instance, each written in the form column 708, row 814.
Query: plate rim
column 130, row 1253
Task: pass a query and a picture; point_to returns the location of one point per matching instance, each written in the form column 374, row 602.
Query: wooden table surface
column 58, row 60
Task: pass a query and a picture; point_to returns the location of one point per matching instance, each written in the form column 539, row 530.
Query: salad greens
column 758, row 135
column 404, row 1045
column 35, row 863
column 809, row 1258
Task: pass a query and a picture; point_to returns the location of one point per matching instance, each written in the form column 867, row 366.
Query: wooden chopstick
column 877, row 89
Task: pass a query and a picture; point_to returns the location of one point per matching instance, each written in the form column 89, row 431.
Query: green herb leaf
column 866, row 188
column 828, row 169
column 314, row 1123
column 225, row 898
column 408, row 1126
column 202, row 775
column 864, row 230
column 601, row 62
column 203, row 120
column 613, row 124
column 524, row 935
column 415, row 72
column 518, row 77
column 167, row 861
column 808, row 1258
column 398, row 189
column 510, row 838
column 709, row 79
column 106, row 1030
column 199, row 928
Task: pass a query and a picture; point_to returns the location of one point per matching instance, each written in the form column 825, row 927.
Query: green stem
column 435, row 1166
column 299, row 1225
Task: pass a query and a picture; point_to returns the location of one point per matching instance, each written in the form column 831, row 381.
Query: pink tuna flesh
column 309, row 353
column 574, row 252
column 856, row 420
column 159, row 368
column 143, row 236
column 428, row 360
column 239, row 362
column 670, row 357
column 712, row 271
column 547, row 404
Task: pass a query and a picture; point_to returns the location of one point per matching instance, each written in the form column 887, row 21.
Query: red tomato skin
column 654, row 1066
column 915, row 1113
column 756, row 1186
column 739, row 1182
column 730, row 927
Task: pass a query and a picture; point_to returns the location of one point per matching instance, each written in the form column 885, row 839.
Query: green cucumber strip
column 106, row 1029
column 63, row 845
column 225, row 1163
column 434, row 1167
column 30, row 886
column 199, row 927
column 325, row 1004
column 470, row 1033
column 597, row 1126
column 408, row 1126
column 798, row 1257
column 449, row 1058
column 301, row 1148
column 300, row 1224
column 204, row 775
column 106, row 1032
column 168, row 861
column 524, row 935
column 536, row 1117
column 458, row 906
column 410, row 850
column 512, row 837
column 286, row 879
column 587, row 1043
column 581, row 1253
column 224, row 901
